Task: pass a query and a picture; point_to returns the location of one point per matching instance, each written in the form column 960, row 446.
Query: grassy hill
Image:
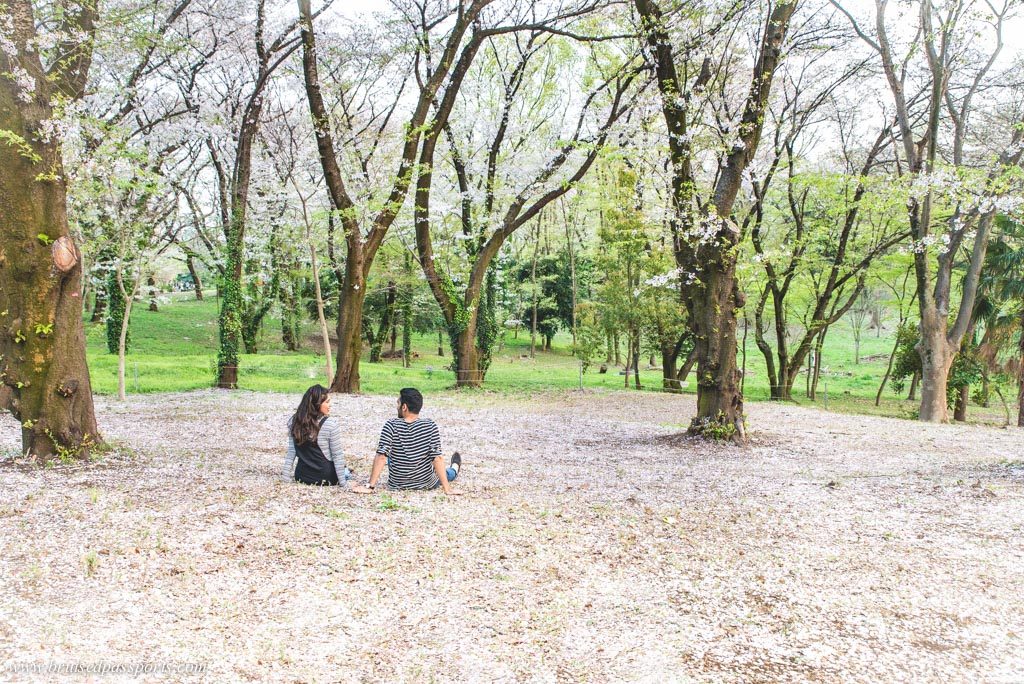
column 175, row 349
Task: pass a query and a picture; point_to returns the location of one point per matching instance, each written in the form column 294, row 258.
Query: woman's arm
column 336, row 451
column 288, row 471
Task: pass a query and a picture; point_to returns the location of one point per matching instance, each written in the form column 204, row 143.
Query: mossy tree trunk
column 44, row 380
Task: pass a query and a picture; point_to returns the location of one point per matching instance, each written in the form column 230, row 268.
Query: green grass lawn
column 174, row 350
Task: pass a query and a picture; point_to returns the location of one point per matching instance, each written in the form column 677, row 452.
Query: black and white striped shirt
column 410, row 448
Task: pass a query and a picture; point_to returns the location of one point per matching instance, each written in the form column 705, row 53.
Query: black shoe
column 456, row 462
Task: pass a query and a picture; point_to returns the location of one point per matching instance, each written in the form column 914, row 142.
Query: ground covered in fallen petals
column 593, row 543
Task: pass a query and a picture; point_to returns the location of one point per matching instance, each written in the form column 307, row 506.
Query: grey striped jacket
column 329, row 440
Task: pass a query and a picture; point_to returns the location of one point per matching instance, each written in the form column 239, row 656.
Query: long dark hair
column 305, row 424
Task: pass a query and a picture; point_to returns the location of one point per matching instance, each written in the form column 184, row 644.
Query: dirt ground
column 592, row 544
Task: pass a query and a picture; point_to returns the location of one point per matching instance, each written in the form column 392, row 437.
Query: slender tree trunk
column 963, row 396
column 888, row 372
column 636, row 359
column 629, row 363
column 321, row 319
column 1020, row 396
column 1020, row 376
column 99, row 306
column 407, row 295
column 197, row 284
column 810, row 372
column 684, row 371
column 115, row 312
column 151, row 286
column 536, row 294
column 387, row 317
column 572, row 274
column 440, row 342
column 819, row 348
column 743, row 351
column 122, row 346
column 289, row 316
column 914, row 382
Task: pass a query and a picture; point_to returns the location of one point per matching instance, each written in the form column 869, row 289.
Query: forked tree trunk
column 684, row 371
column 44, row 380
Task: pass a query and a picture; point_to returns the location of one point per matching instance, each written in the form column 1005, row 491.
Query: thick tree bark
column 936, row 360
column 44, row 380
column 350, row 327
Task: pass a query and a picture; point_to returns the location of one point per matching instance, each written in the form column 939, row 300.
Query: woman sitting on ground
column 314, row 439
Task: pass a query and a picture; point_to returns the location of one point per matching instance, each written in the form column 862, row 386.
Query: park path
column 594, row 543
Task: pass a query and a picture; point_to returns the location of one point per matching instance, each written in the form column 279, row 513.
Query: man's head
column 410, row 401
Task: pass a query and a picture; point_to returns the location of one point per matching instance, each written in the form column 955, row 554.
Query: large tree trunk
column 350, row 326
column 936, row 360
column 44, row 380
column 713, row 316
column 467, row 367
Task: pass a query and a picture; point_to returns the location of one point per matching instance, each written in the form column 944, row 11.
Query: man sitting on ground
column 411, row 447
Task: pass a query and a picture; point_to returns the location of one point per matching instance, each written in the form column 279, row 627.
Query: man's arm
column 442, row 475
column 378, row 465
